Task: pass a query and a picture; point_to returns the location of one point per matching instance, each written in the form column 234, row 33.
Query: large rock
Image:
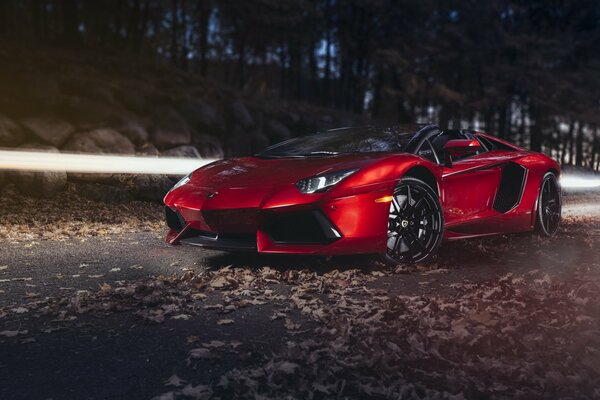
column 170, row 130
column 132, row 99
column 49, row 129
column 241, row 114
column 239, row 142
column 208, row 146
column 201, row 115
column 31, row 89
column 88, row 114
column 102, row 140
column 104, row 193
column 183, row 152
column 91, row 88
column 259, row 143
column 244, row 142
column 148, row 149
column 151, row 187
column 276, row 131
column 133, row 130
column 39, row 184
column 10, row 133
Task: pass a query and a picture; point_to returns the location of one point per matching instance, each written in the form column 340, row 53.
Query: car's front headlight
column 182, row 182
column 321, row 183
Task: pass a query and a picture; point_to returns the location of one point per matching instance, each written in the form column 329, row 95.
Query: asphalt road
column 120, row 356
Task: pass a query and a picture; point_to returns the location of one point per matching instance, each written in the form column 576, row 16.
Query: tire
column 549, row 206
column 415, row 224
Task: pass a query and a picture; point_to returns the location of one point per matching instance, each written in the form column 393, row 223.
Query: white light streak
column 578, row 182
column 118, row 164
column 96, row 163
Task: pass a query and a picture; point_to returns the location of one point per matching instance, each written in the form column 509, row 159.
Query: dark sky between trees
column 528, row 71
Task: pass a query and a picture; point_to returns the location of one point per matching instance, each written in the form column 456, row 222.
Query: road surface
column 120, row 353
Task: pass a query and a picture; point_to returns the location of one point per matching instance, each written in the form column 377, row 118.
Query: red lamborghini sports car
column 396, row 191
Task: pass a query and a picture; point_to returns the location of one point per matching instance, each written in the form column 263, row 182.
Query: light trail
column 97, row 163
column 118, row 164
column 579, row 182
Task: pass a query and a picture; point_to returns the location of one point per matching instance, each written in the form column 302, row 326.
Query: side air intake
column 511, row 187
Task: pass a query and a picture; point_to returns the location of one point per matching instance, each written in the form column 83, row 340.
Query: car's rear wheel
column 416, row 223
column 549, row 206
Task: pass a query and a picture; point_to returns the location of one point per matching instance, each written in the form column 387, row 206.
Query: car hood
column 257, row 172
column 251, row 182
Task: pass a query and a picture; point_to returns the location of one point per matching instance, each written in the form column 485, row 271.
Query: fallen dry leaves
column 26, row 218
column 525, row 334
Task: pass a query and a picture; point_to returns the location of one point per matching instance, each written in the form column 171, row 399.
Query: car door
column 468, row 185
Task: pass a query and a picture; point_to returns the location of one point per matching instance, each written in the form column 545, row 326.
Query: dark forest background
column 528, row 71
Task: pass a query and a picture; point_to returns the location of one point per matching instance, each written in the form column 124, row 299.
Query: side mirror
column 460, row 148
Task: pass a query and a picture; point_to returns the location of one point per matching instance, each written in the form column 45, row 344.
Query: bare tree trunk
column 282, row 63
column 184, row 36
column 579, row 146
column 535, row 130
column 565, row 143
column 314, row 78
column 118, row 22
column 134, row 22
column 326, row 89
column 204, row 17
column 174, row 23
column 70, row 22
column 502, row 122
column 140, row 33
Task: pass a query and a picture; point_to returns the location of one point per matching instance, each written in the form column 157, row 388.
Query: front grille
column 228, row 242
column 300, row 227
column 237, row 220
column 174, row 219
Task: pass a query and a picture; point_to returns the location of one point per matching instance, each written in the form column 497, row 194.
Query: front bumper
column 347, row 225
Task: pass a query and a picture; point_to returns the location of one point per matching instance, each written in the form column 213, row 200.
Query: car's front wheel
column 416, row 223
column 549, row 206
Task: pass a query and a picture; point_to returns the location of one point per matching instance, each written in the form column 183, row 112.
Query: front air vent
column 511, row 187
column 174, row 219
column 300, row 227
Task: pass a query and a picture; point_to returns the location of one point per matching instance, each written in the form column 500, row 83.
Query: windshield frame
column 404, row 134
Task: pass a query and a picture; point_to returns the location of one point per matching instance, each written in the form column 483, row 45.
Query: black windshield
column 343, row 141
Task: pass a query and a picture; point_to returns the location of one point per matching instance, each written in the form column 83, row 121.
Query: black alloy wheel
column 549, row 206
column 416, row 223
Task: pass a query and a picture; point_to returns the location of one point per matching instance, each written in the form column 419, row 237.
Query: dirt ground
column 94, row 305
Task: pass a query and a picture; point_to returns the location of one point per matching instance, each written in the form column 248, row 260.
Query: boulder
column 239, row 142
column 208, row 146
column 91, row 88
column 49, row 129
column 88, row 114
column 151, row 187
column 183, row 152
column 244, row 142
column 134, row 131
column 170, row 129
column 10, row 133
column 102, row 140
column 241, row 114
column 104, row 193
column 201, row 115
column 132, row 99
column 276, row 131
column 39, row 184
column 33, row 88
column 259, row 143
column 148, row 149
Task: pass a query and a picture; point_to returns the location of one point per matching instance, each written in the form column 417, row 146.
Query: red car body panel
column 240, row 196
